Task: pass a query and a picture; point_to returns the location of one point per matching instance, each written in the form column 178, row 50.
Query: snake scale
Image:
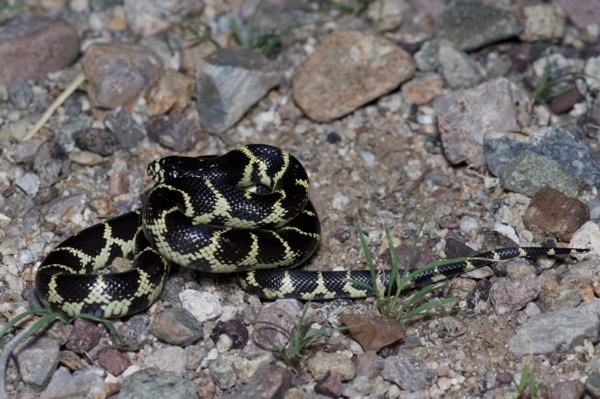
column 245, row 211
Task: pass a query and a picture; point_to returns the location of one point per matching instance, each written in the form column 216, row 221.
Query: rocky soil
column 478, row 120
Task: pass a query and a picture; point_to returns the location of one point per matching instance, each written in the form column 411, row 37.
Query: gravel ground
column 403, row 113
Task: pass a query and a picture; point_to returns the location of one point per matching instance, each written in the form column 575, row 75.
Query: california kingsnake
column 246, row 210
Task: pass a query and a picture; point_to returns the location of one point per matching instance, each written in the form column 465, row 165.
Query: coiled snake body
column 246, row 210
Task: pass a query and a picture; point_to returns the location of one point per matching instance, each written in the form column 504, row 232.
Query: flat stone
column 472, row 24
column 531, row 171
column 373, row 332
column 118, row 73
column 465, row 116
column 543, row 22
column 560, row 143
column 229, row 82
column 148, row 17
column 32, row 47
column 347, row 70
column 153, row 383
column 552, row 212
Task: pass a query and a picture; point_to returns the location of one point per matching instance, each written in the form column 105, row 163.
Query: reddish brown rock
column 552, row 212
column 373, row 332
column 171, row 94
column 33, row 47
column 113, row 361
column 119, row 73
column 347, row 70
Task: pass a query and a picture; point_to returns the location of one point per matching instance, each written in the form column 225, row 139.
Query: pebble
column 422, row 89
column 266, row 336
column 400, row 371
column 560, row 143
column 496, row 105
column 87, row 384
column 222, row 98
column 29, row 183
column 113, row 361
column 363, row 387
column 85, row 158
column 169, row 358
column 147, row 18
column 372, row 332
column 322, row 362
column 124, row 128
column 459, row 70
column 176, row 326
column 347, row 70
column 20, row 93
column 234, row 329
column 552, row 212
column 135, row 332
column 556, row 297
column 203, row 305
column 99, row 141
column 565, row 102
column 340, row 201
column 171, row 94
column 530, row 172
column 38, row 360
column 560, row 330
column 118, row 73
column 330, row 385
column 175, row 132
column 581, row 12
column 269, row 382
column 508, row 296
column 25, row 41
column 221, row 370
column 473, row 24
column 543, row 22
column 84, row 335
column 156, row 384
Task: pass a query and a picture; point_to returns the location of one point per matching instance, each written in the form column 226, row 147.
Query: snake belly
column 247, row 211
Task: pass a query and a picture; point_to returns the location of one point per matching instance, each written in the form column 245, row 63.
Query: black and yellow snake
column 244, row 211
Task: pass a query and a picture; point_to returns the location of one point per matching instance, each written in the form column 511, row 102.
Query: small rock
column 543, row 22
column 566, row 101
column 592, row 385
column 330, row 385
column 88, row 384
column 99, row 141
column 550, row 211
column 472, row 24
column 229, row 82
column 568, row 389
column 322, row 363
column 555, row 297
column 175, row 132
column 203, row 305
column 581, row 12
column 126, row 131
column 85, row 158
column 508, row 296
column 270, row 381
column 169, row 358
column 146, row 18
column 84, row 335
column 26, row 41
column 347, row 70
column 373, row 332
column 400, row 371
column 37, row 360
column 154, row 383
column 460, row 71
column 340, row 201
column 266, row 336
column 135, row 332
column 368, row 364
column 20, row 94
column 560, row 143
column 172, row 93
column 531, row 171
column 221, row 370
column 495, row 105
column 387, row 15
column 176, row 326
column 451, row 326
column 113, row 361
column 560, row 330
column 234, row 329
column 29, row 183
column 247, row 364
column 118, row 73
column 422, row 89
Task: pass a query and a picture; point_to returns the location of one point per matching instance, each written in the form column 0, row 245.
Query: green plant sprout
column 389, row 301
column 526, row 386
column 301, row 336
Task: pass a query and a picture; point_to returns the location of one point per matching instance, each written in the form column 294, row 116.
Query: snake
column 247, row 212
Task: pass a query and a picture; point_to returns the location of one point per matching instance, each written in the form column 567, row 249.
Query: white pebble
column 340, row 201
column 203, row 305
